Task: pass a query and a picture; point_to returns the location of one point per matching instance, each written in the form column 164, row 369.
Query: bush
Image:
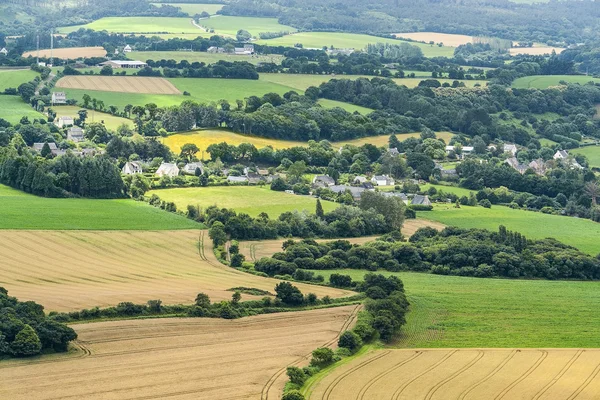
column 293, row 395
column 296, row 375
column 322, row 356
column 485, row 203
column 420, row 207
column 350, row 341
column 26, row 343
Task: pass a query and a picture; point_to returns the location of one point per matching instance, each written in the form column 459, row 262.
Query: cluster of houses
column 37, row 147
column 247, row 50
column 539, row 166
column 165, row 169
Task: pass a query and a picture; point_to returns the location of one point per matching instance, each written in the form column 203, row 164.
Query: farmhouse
column 401, row 196
column 464, row 151
column 75, row 134
column 515, row 164
column 356, row 192
column 368, row 186
column 247, row 50
column 382, row 180
column 359, row 180
column 167, row 169
column 510, row 148
column 561, row 155
column 4, row 51
column 59, row 98
column 190, row 168
column 124, row 64
column 420, row 200
column 538, row 166
column 394, row 151
column 131, row 168
column 237, row 179
column 127, row 49
column 323, row 181
column 65, row 121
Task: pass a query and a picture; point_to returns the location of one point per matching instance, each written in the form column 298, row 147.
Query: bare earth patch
column 122, row 84
column 187, row 358
column 466, row 374
column 70, row 53
column 448, row 39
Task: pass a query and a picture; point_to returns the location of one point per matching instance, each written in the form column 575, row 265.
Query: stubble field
column 72, row 270
column 178, row 358
column 466, row 374
column 70, row 53
column 122, row 84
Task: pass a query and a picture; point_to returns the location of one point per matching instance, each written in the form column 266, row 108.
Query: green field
column 208, row 58
column 139, row 25
column 545, row 81
column 227, row 25
column 346, row 106
column 12, row 108
column 448, row 189
column 193, row 9
column 110, row 121
column 20, row 210
column 251, row 200
column 349, row 41
column 13, row 78
column 448, row 311
column 577, row 232
column 591, row 152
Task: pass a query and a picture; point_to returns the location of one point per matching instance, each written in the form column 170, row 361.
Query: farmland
column 482, row 374
column 69, row 53
column 193, row 9
column 13, row 78
column 228, row 25
column 14, row 108
column 591, row 152
column 197, row 56
column 122, row 84
column 140, row 25
column 580, row 233
column 184, row 358
column 83, row 214
column 346, row 106
column 545, row 81
column 251, row 200
column 110, row 121
column 535, row 51
column 447, row 39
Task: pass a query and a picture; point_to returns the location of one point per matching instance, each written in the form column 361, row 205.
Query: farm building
column 359, row 180
column 515, row 164
column 127, row 49
column 59, row 98
column 190, row 168
column 248, row 50
column 368, row 186
column 63, row 122
column 382, row 180
column 167, row 169
column 323, row 181
column 561, row 155
column 4, row 51
column 464, row 151
column 394, row 151
column 237, row 179
column 420, row 200
column 356, row 192
column 510, row 148
column 131, row 168
column 75, row 134
column 401, row 196
column 124, row 64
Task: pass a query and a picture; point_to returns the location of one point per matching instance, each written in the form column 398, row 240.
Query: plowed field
column 466, row 374
column 177, row 358
column 122, row 84
column 72, row 270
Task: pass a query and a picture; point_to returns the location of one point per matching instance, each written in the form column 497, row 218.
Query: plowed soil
column 122, row 84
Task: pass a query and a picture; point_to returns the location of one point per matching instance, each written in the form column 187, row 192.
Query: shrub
column 296, row 375
column 289, row 294
column 322, row 356
column 485, row 203
column 350, row 341
column 293, row 395
column 26, row 343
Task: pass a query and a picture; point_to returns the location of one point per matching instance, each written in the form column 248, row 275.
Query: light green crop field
column 13, row 78
column 24, row 211
column 208, row 58
column 251, row 200
column 591, row 152
column 346, row 106
column 12, row 108
column 139, row 25
column 228, row 25
column 349, row 41
column 193, row 9
column 577, row 232
column 448, row 189
column 448, row 311
column 545, row 81
column 110, row 121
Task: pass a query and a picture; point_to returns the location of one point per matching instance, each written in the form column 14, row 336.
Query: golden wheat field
column 535, row 51
column 466, row 374
column 72, row 270
column 187, row 358
column 255, row 250
column 448, row 39
column 122, row 84
column 70, row 53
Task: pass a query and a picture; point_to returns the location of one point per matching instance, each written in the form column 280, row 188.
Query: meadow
column 535, row 50
column 140, row 25
column 591, row 152
column 251, row 200
column 193, row 9
column 229, row 25
column 545, row 81
column 111, row 122
column 197, row 56
column 577, row 232
column 24, row 211
column 13, row 108
column 186, row 358
column 12, row 78
column 352, row 108
column 448, row 39
column 69, row 53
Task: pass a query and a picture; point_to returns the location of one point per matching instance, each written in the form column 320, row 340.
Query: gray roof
column 40, row 146
column 325, row 179
column 421, row 200
column 237, row 179
column 355, row 191
column 402, row 196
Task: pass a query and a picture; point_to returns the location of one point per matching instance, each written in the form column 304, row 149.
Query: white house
column 359, row 179
column 561, row 155
column 237, row 179
column 127, row 49
column 4, row 51
column 190, row 168
column 75, row 134
column 59, row 98
column 65, row 121
column 323, row 181
column 167, row 169
column 382, row 180
column 510, row 148
column 115, row 64
column 131, row 168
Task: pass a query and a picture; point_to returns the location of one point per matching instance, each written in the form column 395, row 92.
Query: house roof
column 40, row 146
column 231, row 178
column 121, row 63
column 561, row 154
column 324, row 178
column 167, row 169
column 191, row 167
column 402, row 196
column 421, row 200
column 355, row 191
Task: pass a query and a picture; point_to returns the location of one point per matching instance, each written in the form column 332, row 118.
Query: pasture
column 13, row 108
column 352, row 108
column 70, row 53
column 465, row 374
column 577, row 232
column 83, row 214
column 140, row 25
column 546, row 81
column 72, row 270
column 448, row 39
column 591, row 152
column 229, row 25
column 251, row 200
column 121, row 84
column 111, row 122
column 12, row 78
column 186, row 358
column 192, row 9
column 535, row 51
column 197, row 56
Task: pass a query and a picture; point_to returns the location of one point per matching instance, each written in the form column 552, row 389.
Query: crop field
column 197, row 56
column 545, row 81
column 122, row 84
column 229, row 25
column 577, row 232
column 141, row 25
column 83, row 214
column 251, row 200
column 111, row 122
column 72, row 270
column 591, row 152
column 535, row 51
column 70, row 53
column 201, row 358
column 346, row 106
column 13, row 108
column 383, row 140
column 193, row 9
column 255, row 250
column 12, row 78
column 349, row 41
column 482, row 374
column 448, row 39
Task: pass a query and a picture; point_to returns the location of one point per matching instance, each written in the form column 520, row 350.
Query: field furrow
column 122, row 84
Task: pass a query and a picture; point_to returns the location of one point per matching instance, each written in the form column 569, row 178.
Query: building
column 115, row 64
column 63, row 122
column 167, row 169
column 131, row 168
column 538, row 166
column 337, row 52
column 59, row 98
column 356, row 192
column 75, row 134
column 247, row 50
column 515, row 164
column 382, row 180
column 190, row 168
column 237, row 179
column 368, row 186
column 510, row 148
column 420, row 200
column 401, row 196
column 464, row 151
column 127, row 49
column 39, row 146
column 561, row 155
column 394, row 151
column 3, row 51
column 254, row 178
column 323, row 181
column 359, row 180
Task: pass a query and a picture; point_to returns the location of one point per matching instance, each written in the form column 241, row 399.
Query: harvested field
column 72, row 270
column 464, row 374
column 178, row 358
column 70, row 53
column 535, row 51
column 255, row 250
column 448, row 39
column 122, row 84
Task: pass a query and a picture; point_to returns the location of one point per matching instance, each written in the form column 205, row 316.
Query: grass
column 24, row 211
column 13, row 108
column 228, row 25
column 193, row 9
column 449, row 311
column 110, row 121
column 448, row 189
column 208, row 58
column 545, row 81
column 140, row 25
column 346, row 106
column 13, row 78
column 580, row 233
column 349, row 40
column 251, row 200
column 591, row 152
